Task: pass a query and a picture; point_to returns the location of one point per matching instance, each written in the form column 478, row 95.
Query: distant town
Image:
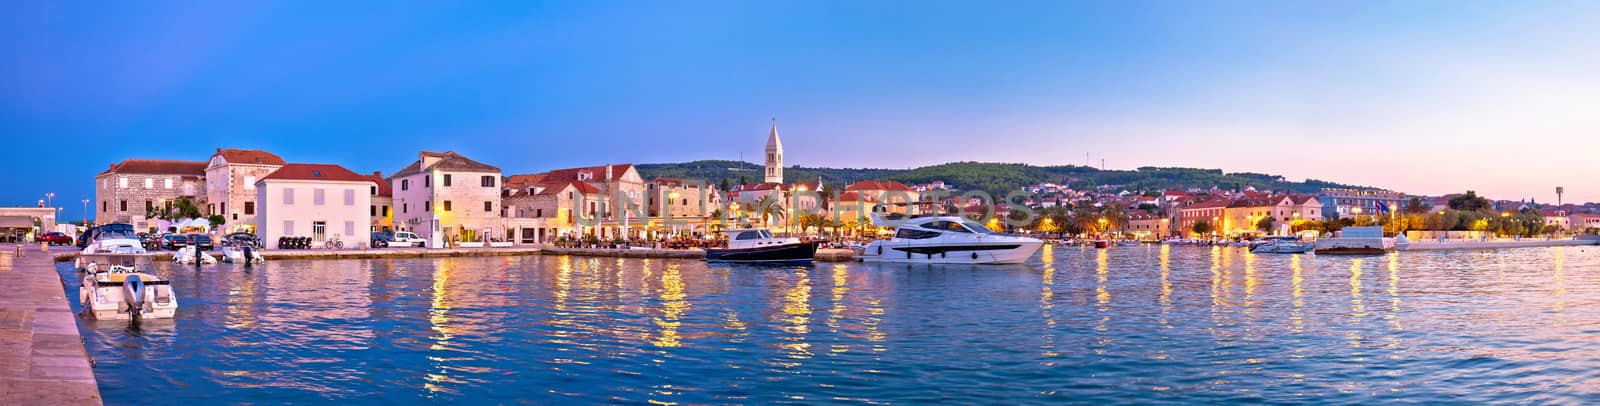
column 449, row 199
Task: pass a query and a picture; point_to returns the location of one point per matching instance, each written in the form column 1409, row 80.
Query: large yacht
column 950, row 240
column 110, row 239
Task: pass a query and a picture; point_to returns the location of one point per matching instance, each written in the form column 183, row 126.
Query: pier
column 44, row 362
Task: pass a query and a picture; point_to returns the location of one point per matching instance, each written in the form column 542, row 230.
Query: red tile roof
column 248, row 156
column 1207, row 204
column 879, row 185
column 321, row 172
column 597, row 173
column 158, row 167
column 385, row 188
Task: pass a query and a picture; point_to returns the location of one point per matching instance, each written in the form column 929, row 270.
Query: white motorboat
column 950, row 240
column 114, row 289
column 1288, row 245
column 753, row 245
column 241, row 254
column 191, row 254
column 110, row 239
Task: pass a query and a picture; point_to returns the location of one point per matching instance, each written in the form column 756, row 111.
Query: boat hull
column 786, row 253
column 1000, row 252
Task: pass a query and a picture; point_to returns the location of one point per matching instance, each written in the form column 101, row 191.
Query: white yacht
column 241, row 254
column 110, row 239
column 950, row 240
column 114, row 289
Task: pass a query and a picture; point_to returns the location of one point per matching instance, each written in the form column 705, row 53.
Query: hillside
column 991, row 177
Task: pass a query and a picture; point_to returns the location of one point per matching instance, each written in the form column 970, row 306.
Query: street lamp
column 85, row 212
column 50, row 199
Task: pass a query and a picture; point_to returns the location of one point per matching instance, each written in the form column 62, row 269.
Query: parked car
column 202, row 240
column 242, row 239
column 150, row 241
column 56, row 238
column 380, row 240
column 407, row 239
column 174, row 241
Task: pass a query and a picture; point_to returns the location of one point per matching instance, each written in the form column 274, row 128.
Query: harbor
column 1073, row 323
column 45, row 361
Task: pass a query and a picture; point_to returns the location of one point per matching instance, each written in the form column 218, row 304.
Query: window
column 749, row 235
column 386, row 211
column 427, row 181
column 446, row 205
column 374, row 211
column 914, row 234
column 349, row 228
column 235, row 216
column 288, row 196
column 149, row 183
column 167, row 182
column 405, row 184
column 149, row 206
column 122, row 182
column 427, row 205
column 124, row 206
column 447, row 180
column 249, row 182
column 349, row 197
column 103, row 205
column 405, row 207
column 288, row 227
column 488, row 206
column 249, row 208
column 224, row 208
column 488, row 181
column 319, row 196
column 538, row 212
column 374, row 190
column 319, row 229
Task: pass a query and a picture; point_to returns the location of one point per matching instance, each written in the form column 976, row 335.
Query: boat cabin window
column 749, row 235
column 915, row 234
column 977, row 227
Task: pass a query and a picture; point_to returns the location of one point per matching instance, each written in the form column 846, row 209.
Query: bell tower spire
column 774, row 155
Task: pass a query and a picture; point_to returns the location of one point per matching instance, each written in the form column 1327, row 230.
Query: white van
column 407, row 239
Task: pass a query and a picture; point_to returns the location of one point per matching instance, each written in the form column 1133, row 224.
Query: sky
column 1424, row 97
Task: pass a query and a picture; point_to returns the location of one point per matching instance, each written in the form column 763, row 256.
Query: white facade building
column 314, row 200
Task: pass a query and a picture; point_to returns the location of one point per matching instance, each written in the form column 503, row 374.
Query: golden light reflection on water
column 1297, row 322
column 1250, row 280
column 1047, row 297
column 841, row 288
column 1358, row 308
column 673, row 306
column 1560, row 283
column 438, row 319
column 797, row 312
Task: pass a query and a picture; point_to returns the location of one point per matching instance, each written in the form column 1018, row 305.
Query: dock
column 1495, row 244
column 45, row 362
column 823, row 255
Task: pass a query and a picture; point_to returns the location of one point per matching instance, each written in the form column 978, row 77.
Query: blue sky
column 1423, row 97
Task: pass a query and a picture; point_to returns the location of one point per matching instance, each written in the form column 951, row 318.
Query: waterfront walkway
column 43, row 361
column 823, row 255
column 1435, row 245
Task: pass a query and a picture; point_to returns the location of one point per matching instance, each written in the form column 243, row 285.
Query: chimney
column 377, row 174
column 608, row 171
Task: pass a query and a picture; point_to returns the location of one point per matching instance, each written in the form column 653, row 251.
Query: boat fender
column 880, row 250
column 247, row 256
column 974, row 255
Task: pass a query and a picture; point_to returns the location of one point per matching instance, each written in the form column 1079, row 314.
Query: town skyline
column 1422, row 111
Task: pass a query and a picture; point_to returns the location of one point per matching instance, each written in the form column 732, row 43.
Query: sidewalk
column 43, row 361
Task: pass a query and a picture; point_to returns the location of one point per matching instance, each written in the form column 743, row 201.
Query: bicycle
column 333, row 243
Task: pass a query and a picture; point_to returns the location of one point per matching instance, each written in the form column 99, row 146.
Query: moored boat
column 950, row 240
column 114, row 288
column 759, row 246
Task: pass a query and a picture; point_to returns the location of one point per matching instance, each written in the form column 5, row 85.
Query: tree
column 1265, row 224
column 1201, row 227
column 1469, row 201
column 217, row 220
column 1415, row 206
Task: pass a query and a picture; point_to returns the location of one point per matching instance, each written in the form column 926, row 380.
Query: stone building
column 446, row 197
column 231, row 177
column 135, row 190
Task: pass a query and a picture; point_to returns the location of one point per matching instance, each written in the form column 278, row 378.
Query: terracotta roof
column 248, row 156
column 1207, row 204
column 320, row 172
column 448, row 160
column 597, row 173
column 158, row 166
column 385, row 188
column 525, row 179
column 667, row 181
column 751, row 187
column 879, row 185
column 1301, row 199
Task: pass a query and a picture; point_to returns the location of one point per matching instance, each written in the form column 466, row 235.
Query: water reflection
column 1169, row 324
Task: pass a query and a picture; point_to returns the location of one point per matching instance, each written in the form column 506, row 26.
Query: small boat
column 191, row 254
column 1099, row 243
column 241, row 254
column 1127, row 243
column 115, row 289
column 1288, row 245
column 759, row 246
column 1367, row 240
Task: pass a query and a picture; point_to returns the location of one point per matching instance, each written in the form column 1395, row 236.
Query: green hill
column 992, row 177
